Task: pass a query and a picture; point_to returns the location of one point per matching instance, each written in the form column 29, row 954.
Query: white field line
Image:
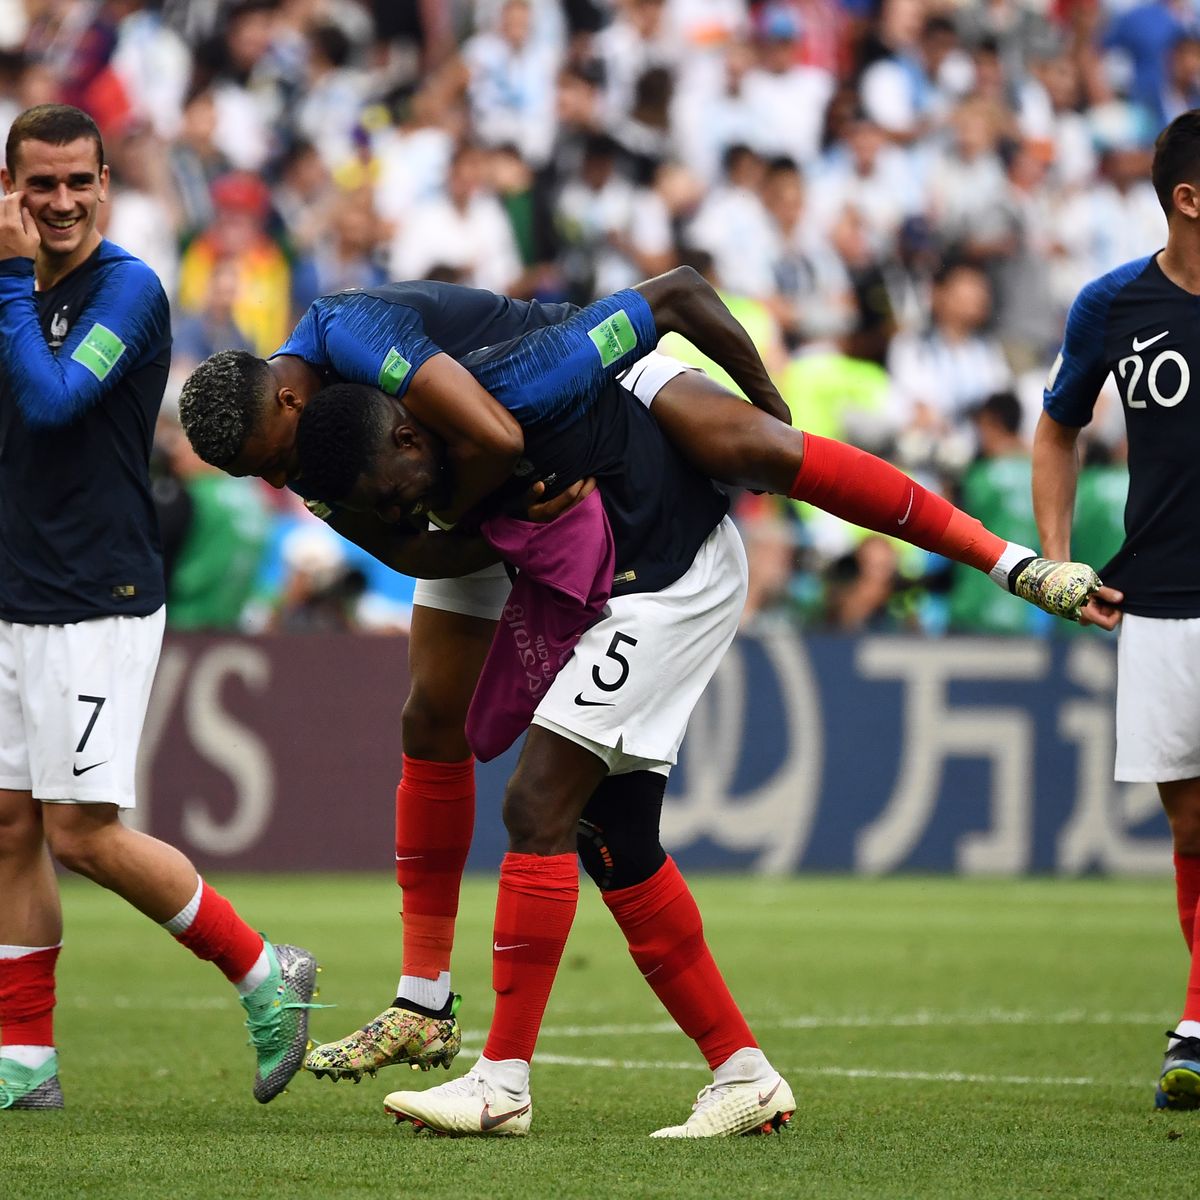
column 915, row 1020
column 630, row 1064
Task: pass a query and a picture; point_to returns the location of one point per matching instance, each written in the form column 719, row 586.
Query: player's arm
column 368, row 340
column 123, row 320
column 421, row 554
column 1055, row 474
column 1071, row 390
column 684, row 302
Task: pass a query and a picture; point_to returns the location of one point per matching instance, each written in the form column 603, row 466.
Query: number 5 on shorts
column 614, row 652
column 98, row 701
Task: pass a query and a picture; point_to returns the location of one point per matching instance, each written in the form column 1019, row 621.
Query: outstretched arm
column 684, row 302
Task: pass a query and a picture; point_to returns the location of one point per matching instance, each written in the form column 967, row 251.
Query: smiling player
column 85, row 346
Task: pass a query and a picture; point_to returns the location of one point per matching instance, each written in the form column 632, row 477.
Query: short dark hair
column 1005, row 409
column 56, row 124
column 222, row 402
column 339, row 434
column 1176, row 157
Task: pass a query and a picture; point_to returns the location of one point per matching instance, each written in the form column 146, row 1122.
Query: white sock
column 1188, row 1029
column 747, row 1065
column 1012, row 554
column 510, row 1075
column 28, row 1056
column 183, row 919
column 428, row 993
column 22, row 951
column 256, row 975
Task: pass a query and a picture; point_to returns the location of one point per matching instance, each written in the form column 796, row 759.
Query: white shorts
column 483, row 593
column 628, row 690
column 72, row 703
column 1158, row 699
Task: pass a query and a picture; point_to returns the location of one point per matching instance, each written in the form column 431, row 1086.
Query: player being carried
column 241, row 414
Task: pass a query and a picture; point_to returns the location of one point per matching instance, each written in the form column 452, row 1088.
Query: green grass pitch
column 945, row 1038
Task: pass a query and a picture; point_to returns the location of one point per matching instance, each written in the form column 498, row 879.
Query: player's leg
column 30, row 938
column 644, row 890
column 85, row 690
column 453, row 624
column 622, row 701
column 1179, row 1082
column 30, row 914
column 1157, row 718
column 535, row 907
column 735, row 443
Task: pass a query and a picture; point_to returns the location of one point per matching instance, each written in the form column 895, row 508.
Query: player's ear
column 6, row 180
column 1187, row 200
column 102, row 194
column 285, row 397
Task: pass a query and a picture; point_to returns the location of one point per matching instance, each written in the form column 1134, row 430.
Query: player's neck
column 1180, row 262
column 50, row 269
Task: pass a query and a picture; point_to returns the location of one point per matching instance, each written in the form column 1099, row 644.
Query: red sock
column 217, row 934
column 435, row 818
column 865, row 490
column 662, row 925
column 1187, row 893
column 534, row 911
column 27, row 998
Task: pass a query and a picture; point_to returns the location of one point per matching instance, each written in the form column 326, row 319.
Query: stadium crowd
column 898, row 200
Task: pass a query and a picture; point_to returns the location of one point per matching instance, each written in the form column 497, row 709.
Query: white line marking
column 629, row 1064
column 915, row 1020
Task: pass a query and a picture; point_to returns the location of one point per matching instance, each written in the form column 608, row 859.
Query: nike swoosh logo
column 515, row 946
column 408, row 857
column 85, row 770
column 592, row 703
column 763, row 1101
column 904, row 519
column 1150, row 341
column 647, row 974
column 489, row 1121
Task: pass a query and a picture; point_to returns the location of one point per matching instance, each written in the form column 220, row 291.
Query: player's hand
column 771, row 402
column 1103, row 608
column 544, row 511
column 19, row 237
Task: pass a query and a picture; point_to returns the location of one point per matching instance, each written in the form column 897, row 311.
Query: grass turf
column 945, row 1038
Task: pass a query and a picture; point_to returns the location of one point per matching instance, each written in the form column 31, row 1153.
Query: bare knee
column 1181, row 800
column 79, row 842
column 432, row 724
column 537, row 821
column 20, row 827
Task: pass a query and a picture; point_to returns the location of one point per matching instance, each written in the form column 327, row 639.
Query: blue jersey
column 83, row 366
column 553, row 367
column 1138, row 326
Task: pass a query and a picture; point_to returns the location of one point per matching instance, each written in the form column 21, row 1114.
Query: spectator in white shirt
column 510, row 80
column 786, row 100
column 942, row 374
column 465, row 229
column 734, row 229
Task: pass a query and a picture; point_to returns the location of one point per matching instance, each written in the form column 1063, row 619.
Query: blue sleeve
column 1080, row 369
column 363, row 339
column 125, row 319
column 560, row 370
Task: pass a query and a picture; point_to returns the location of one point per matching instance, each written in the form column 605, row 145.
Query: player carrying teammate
column 241, row 412
column 84, row 351
column 1141, row 323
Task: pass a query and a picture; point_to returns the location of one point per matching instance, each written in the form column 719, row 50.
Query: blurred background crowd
column 897, row 198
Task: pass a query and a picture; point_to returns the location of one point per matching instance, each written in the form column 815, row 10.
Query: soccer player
column 84, row 351
column 615, row 716
column 1141, row 323
column 240, row 414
